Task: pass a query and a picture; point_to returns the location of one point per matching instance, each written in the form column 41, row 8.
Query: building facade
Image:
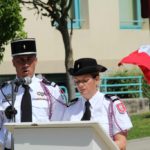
column 107, row 30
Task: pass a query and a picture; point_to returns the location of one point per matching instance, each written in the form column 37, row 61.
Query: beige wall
column 100, row 37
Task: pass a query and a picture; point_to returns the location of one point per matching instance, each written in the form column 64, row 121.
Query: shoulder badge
column 121, row 108
column 111, row 97
column 73, row 101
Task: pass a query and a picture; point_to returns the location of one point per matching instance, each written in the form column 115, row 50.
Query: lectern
column 65, row 135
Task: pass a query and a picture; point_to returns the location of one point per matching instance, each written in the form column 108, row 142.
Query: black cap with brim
column 23, row 47
column 86, row 65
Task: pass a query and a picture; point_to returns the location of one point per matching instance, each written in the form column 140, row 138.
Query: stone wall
column 137, row 105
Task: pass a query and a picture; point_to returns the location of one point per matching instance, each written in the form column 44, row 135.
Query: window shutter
column 145, row 8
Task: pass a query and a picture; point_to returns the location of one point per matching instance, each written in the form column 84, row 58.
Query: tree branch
column 37, row 3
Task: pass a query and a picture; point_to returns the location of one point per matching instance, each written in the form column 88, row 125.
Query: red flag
column 140, row 57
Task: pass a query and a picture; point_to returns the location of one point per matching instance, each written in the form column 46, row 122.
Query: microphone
column 10, row 112
column 20, row 81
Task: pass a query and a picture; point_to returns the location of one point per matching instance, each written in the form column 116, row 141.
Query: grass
column 141, row 126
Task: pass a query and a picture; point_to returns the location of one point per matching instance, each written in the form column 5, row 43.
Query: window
column 74, row 14
column 130, row 14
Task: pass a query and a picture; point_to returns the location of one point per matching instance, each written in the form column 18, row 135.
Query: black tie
column 26, row 106
column 87, row 113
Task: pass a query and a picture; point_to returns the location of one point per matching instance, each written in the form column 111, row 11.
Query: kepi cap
column 86, row 65
column 23, row 47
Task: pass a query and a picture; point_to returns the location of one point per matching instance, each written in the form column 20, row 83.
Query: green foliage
column 57, row 10
column 11, row 23
column 146, row 89
column 129, row 72
column 141, row 124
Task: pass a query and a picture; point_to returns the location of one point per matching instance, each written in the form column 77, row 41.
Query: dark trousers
column 7, row 149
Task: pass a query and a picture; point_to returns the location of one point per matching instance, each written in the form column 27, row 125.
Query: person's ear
column 97, row 78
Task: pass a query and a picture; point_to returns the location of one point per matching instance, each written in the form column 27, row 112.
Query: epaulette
column 111, row 97
column 3, row 84
column 45, row 81
column 73, row 101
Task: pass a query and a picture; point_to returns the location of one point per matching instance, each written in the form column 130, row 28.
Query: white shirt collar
column 95, row 98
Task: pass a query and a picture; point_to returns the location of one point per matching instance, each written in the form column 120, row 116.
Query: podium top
column 53, row 124
column 65, row 124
